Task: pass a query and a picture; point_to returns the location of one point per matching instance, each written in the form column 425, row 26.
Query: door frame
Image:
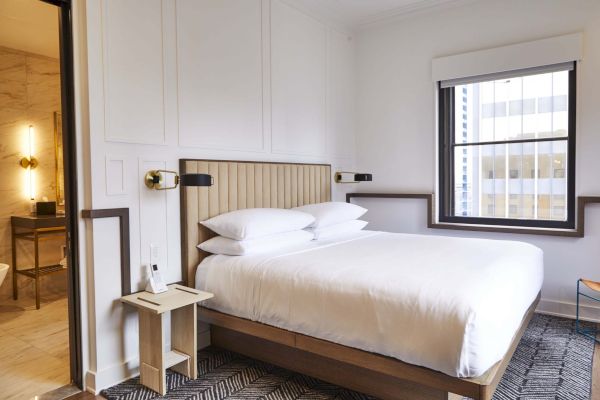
column 67, row 83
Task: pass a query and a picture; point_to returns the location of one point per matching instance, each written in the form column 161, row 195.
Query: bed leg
column 452, row 396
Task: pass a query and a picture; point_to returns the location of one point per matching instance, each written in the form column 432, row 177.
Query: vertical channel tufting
column 202, row 168
column 213, row 194
column 250, row 186
column 273, row 182
column 294, row 185
column 280, row 187
column 312, row 185
column 306, row 185
column 300, row 185
column 287, row 183
column 317, row 184
column 266, row 170
column 258, row 182
column 239, row 185
column 327, row 183
column 223, row 188
column 232, row 186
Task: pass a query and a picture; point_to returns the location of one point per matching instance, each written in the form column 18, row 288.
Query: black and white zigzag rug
column 551, row 362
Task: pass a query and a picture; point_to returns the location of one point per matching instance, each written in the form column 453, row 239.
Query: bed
column 462, row 308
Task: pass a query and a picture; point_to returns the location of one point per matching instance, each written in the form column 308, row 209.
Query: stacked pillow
column 333, row 218
column 261, row 230
column 256, row 230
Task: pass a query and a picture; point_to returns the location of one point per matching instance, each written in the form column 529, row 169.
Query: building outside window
column 507, row 148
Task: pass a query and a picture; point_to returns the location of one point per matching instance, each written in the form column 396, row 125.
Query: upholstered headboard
column 238, row 185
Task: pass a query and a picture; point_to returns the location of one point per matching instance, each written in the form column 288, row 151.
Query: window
column 507, row 143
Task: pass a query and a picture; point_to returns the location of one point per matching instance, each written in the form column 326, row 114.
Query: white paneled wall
column 171, row 79
column 219, row 59
column 133, row 71
column 298, row 82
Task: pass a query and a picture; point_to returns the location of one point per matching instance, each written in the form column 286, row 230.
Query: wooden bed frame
column 242, row 184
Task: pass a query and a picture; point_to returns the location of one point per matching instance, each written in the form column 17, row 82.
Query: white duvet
column 449, row 304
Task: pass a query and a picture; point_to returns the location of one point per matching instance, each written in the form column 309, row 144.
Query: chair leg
column 590, row 333
column 577, row 309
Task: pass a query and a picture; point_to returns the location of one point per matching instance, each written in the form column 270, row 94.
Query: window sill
column 507, row 229
column 578, row 232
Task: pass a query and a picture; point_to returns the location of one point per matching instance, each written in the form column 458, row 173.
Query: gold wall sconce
column 29, row 161
column 154, row 179
column 352, row 177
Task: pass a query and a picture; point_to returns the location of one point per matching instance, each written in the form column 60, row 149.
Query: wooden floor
column 34, row 347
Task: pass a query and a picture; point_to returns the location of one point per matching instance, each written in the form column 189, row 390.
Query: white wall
column 220, row 79
column 396, row 130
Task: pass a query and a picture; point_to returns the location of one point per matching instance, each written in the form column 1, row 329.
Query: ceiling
column 29, row 25
column 354, row 13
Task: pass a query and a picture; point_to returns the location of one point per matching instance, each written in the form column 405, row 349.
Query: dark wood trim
column 123, row 215
column 578, row 232
column 322, row 359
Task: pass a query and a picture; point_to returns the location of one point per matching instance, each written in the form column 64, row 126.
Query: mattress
column 445, row 303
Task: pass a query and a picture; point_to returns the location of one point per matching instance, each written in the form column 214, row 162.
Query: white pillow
column 265, row 244
column 252, row 223
column 330, row 231
column 331, row 213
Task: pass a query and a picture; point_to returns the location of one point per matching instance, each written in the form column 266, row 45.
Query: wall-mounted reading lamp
column 154, row 179
column 29, row 162
column 352, row 177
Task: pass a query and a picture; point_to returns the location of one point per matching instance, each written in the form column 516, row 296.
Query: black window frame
column 446, row 164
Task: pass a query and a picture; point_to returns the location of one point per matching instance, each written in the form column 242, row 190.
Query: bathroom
column 34, row 325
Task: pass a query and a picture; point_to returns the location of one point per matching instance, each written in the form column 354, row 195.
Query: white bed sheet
column 449, row 304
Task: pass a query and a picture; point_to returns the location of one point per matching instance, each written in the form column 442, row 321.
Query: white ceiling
column 29, row 25
column 354, row 13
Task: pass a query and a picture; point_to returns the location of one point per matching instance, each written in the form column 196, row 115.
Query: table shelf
column 174, row 357
column 43, row 270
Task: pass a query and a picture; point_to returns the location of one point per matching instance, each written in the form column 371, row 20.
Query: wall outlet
column 154, row 254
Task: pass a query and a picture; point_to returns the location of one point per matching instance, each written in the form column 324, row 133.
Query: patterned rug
column 551, row 362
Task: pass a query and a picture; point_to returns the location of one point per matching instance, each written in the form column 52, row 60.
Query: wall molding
column 578, row 232
column 108, row 135
column 567, row 309
column 123, row 215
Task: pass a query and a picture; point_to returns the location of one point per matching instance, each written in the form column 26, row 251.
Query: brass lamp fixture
column 29, row 161
column 154, row 179
column 355, row 177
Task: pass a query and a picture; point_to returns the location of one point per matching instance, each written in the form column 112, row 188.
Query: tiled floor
column 34, row 347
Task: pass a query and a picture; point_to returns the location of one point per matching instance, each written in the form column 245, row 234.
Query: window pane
column 528, row 107
column 516, row 180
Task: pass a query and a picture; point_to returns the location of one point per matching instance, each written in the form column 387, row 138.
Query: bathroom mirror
column 58, row 157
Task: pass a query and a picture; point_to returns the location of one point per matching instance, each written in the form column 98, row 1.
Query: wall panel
column 298, row 88
column 220, row 74
column 133, row 71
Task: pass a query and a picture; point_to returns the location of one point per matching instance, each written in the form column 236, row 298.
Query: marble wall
column 29, row 95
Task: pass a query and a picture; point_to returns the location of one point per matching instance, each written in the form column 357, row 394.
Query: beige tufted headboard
column 239, row 185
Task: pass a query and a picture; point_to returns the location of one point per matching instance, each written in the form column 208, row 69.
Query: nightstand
column 181, row 301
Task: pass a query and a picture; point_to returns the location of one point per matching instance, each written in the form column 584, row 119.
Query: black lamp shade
column 363, row 177
column 196, row 180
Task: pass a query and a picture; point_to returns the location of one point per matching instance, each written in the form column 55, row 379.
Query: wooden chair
column 595, row 286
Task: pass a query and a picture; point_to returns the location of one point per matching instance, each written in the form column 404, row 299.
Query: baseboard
column 95, row 381
column 567, row 309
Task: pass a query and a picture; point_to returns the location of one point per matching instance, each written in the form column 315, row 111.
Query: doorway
column 40, row 326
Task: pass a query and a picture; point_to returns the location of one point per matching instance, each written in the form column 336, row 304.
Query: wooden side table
column 181, row 301
column 35, row 228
